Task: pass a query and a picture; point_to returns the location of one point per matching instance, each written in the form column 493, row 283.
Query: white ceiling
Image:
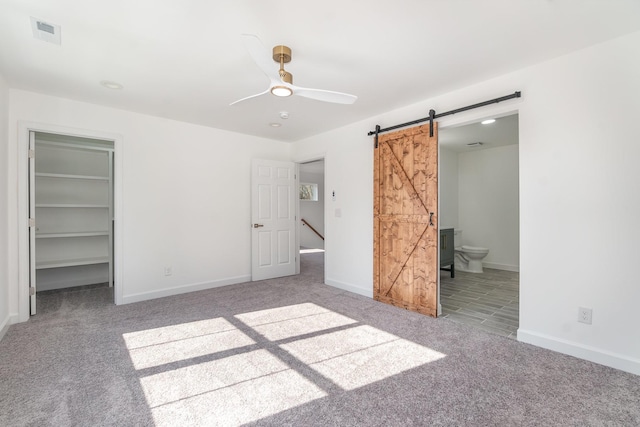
column 504, row 131
column 185, row 60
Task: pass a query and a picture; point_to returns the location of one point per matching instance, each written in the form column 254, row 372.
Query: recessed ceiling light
column 488, row 121
column 275, row 125
column 111, row 85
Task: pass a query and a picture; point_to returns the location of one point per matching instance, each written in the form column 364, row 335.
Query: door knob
column 258, row 225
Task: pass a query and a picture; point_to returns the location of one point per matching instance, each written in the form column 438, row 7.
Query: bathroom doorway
column 479, row 199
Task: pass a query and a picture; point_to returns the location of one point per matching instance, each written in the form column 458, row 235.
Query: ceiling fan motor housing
column 281, row 53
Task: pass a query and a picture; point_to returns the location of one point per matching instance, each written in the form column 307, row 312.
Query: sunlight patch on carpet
column 359, row 356
column 279, row 314
column 181, row 331
column 292, row 321
column 160, row 346
column 235, row 390
column 261, row 363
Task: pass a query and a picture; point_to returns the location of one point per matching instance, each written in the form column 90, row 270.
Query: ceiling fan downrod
column 282, row 55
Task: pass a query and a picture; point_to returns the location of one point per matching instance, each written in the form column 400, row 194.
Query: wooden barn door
column 405, row 238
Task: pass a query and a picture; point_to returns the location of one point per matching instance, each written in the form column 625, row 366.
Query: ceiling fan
column 281, row 80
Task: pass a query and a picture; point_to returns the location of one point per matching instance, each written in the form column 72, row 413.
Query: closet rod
column 433, row 115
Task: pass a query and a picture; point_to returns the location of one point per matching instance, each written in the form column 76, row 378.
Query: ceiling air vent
column 45, row 31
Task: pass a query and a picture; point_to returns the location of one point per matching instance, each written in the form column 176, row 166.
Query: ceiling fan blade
column 325, row 95
column 252, row 96
column 264, row 60
column 261, row 56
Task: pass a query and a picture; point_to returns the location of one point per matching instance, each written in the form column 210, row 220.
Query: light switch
column 338, row 212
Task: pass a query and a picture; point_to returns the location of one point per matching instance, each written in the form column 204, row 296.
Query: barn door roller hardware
column 433, row 115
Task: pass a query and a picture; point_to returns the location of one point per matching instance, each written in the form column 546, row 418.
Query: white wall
column 488, row 204
column 185, row 195
column 348, row 219
column 448, row 184
column 578, row 185
column 312, row 211
column 4, row 207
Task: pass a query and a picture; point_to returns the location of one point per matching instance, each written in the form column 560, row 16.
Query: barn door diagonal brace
column 433, row 115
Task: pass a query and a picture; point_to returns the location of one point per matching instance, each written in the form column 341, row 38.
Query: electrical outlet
column 167, row 271
column 584, row 315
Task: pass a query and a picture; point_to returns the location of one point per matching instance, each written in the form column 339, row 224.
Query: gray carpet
column 288, row 351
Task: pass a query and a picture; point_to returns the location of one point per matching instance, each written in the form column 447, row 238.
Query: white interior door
column 32, row 217
column 273, row 220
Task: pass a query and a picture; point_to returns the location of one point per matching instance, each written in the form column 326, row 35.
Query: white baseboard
column 592, row 354
column 4, row 326
column 498, row 266
column 144, row 296
column 351, row 288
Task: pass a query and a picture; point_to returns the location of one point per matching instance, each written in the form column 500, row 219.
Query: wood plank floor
column 488, row 301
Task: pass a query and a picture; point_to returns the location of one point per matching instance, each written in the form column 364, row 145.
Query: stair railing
column 304, row 221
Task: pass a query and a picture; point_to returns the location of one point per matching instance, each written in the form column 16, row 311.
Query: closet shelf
column 71, row 262
column 72, row 234
column 70, row 205
column 68, row 176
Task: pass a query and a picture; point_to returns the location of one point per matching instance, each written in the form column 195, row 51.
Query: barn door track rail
column 433, row 116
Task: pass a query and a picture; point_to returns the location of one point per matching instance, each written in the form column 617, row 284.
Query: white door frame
column 31, row 228
column 24, row 127
column 298, row 161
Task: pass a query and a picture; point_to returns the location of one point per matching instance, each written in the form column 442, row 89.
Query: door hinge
column 32, row 291
column 32, row 222
column 32, row 153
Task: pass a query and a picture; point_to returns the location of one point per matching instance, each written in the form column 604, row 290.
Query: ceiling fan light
column 281, row 91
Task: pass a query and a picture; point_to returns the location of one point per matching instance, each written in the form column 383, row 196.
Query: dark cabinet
column 447, row 251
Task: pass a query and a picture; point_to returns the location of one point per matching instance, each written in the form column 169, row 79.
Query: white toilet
column 468, row 258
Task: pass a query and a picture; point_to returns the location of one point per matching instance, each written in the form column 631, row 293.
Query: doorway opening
column 479, row 205
column 311, row 207
column 71, row 211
